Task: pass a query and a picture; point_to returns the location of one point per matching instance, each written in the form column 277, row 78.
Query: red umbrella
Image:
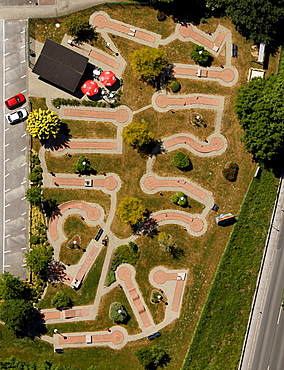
column 90, row 88
column 108, row 78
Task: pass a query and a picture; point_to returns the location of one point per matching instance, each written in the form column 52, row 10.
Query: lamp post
column 108, row 45
column 57, row 332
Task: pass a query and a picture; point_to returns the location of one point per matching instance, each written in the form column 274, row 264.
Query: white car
column 17, row 116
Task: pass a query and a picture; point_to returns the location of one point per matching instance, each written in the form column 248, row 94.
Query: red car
column 15, row 101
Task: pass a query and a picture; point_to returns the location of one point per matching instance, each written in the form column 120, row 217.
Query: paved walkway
column 172, row 283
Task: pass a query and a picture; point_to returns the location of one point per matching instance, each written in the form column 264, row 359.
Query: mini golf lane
column 114, row 338
column 90, row 145
column 186, row 71
column 206, row 40
column 216, row 144
column 102, row 20
column 160, row 277
column 193, row 223
column 167, row 102
column 93, row 214
column 125, row 274
column 117, row 116
column 109, row 183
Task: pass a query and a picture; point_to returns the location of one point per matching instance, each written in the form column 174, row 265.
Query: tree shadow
column 176, row 252
column 51, row 208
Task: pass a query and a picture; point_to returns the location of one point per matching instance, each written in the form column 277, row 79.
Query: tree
column 11, row 287
column 259, row 107
column 36, row 175
column 149, row 63
column 33, row 195
column 61, row 301
column 257, row 20
column 181, row 161
column 80, row 28
column 131, row 210
column 42, row 124
column 83, row 166
column 17, row 314
column 166, row 241
column 118, row 313
column 37, row 259
column 200, row 55
column 137, row 134
column 152, row 358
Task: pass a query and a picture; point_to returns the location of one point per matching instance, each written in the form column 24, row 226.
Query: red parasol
column 108, row 78
column 90, row 88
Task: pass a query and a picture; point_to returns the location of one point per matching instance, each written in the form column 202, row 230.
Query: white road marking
column 7, row 190
column 24, row 149
column 6, row 39
column 23, row 61
column 7, row 251
column 7, row 53
column 22, row 214
column 23, row 46
column 24, row 265
column 7, row 175
column 7, row 145
column 24, row 228
column 23, row 248
column 7, row 129
column 23, row 76
column 7, row 205
column 7, row 236
column 23, row 182
column 23, row 91
column 23, row 31
column 5, row 266
column 6, row 160
column 23, row 164
column 23, row 198
column 7, row 69
column 25, row 134
column 6, row 84
column 279, row 315
column 7, row 220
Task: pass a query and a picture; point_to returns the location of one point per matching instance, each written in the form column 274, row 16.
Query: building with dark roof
column 60, row 65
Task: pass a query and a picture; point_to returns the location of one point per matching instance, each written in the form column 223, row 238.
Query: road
column 14, row 151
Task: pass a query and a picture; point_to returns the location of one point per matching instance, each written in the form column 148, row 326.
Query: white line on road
column 24, row 228
column 6, row 160
column 24, row 213
column 24, row 149
column 7, row 251
column 6, row 39
column 23, row 61
column 7, row 190
column 23, row 182
column 24, row 265
column 7, row 174
column 23, row 248
column 23, row 164
column 23, row 198
column 23, row 31
column 23, row 91
column 6, row 145
column 7, row 53
column 23, row 46
column 23, row 76
column 7, row 236
column 5, row 266
column 279, row 315
column 6, row 84
column 7, row 205
column 7, row 69
column 7, row 129
column 25, row 134
column 7, row 220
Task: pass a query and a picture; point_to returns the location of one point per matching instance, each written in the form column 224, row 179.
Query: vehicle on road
column 17, row 116
column 15, row 101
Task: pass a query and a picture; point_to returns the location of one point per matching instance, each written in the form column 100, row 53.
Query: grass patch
column 91, row 129
column 219, row 336
column 87, row 292
column 73, row 225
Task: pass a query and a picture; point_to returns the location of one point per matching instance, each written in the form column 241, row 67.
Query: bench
column 154, row 335
column 234, row 50
column 99, row 234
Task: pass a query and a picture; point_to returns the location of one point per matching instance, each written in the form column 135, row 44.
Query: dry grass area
column 91, row 130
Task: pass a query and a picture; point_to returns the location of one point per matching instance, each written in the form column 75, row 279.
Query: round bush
column 61, row 301
column 230, row 171
column 161, row 16
column 34, row 239
column 118, row 313
column 181, row 161
column 175, row 86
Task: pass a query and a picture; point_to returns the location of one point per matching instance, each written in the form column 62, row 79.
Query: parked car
column 15, row 101
column 17, row 116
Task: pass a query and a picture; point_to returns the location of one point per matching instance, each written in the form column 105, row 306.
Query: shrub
column 181, row 161
column 161, row 16
column 200, row 55
column 179, row 198
column 34, row 239
column 230, row 171
column 118, row 313
column 34, row 159
column 61, row 301
column 83, row 166
column 175, row 86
